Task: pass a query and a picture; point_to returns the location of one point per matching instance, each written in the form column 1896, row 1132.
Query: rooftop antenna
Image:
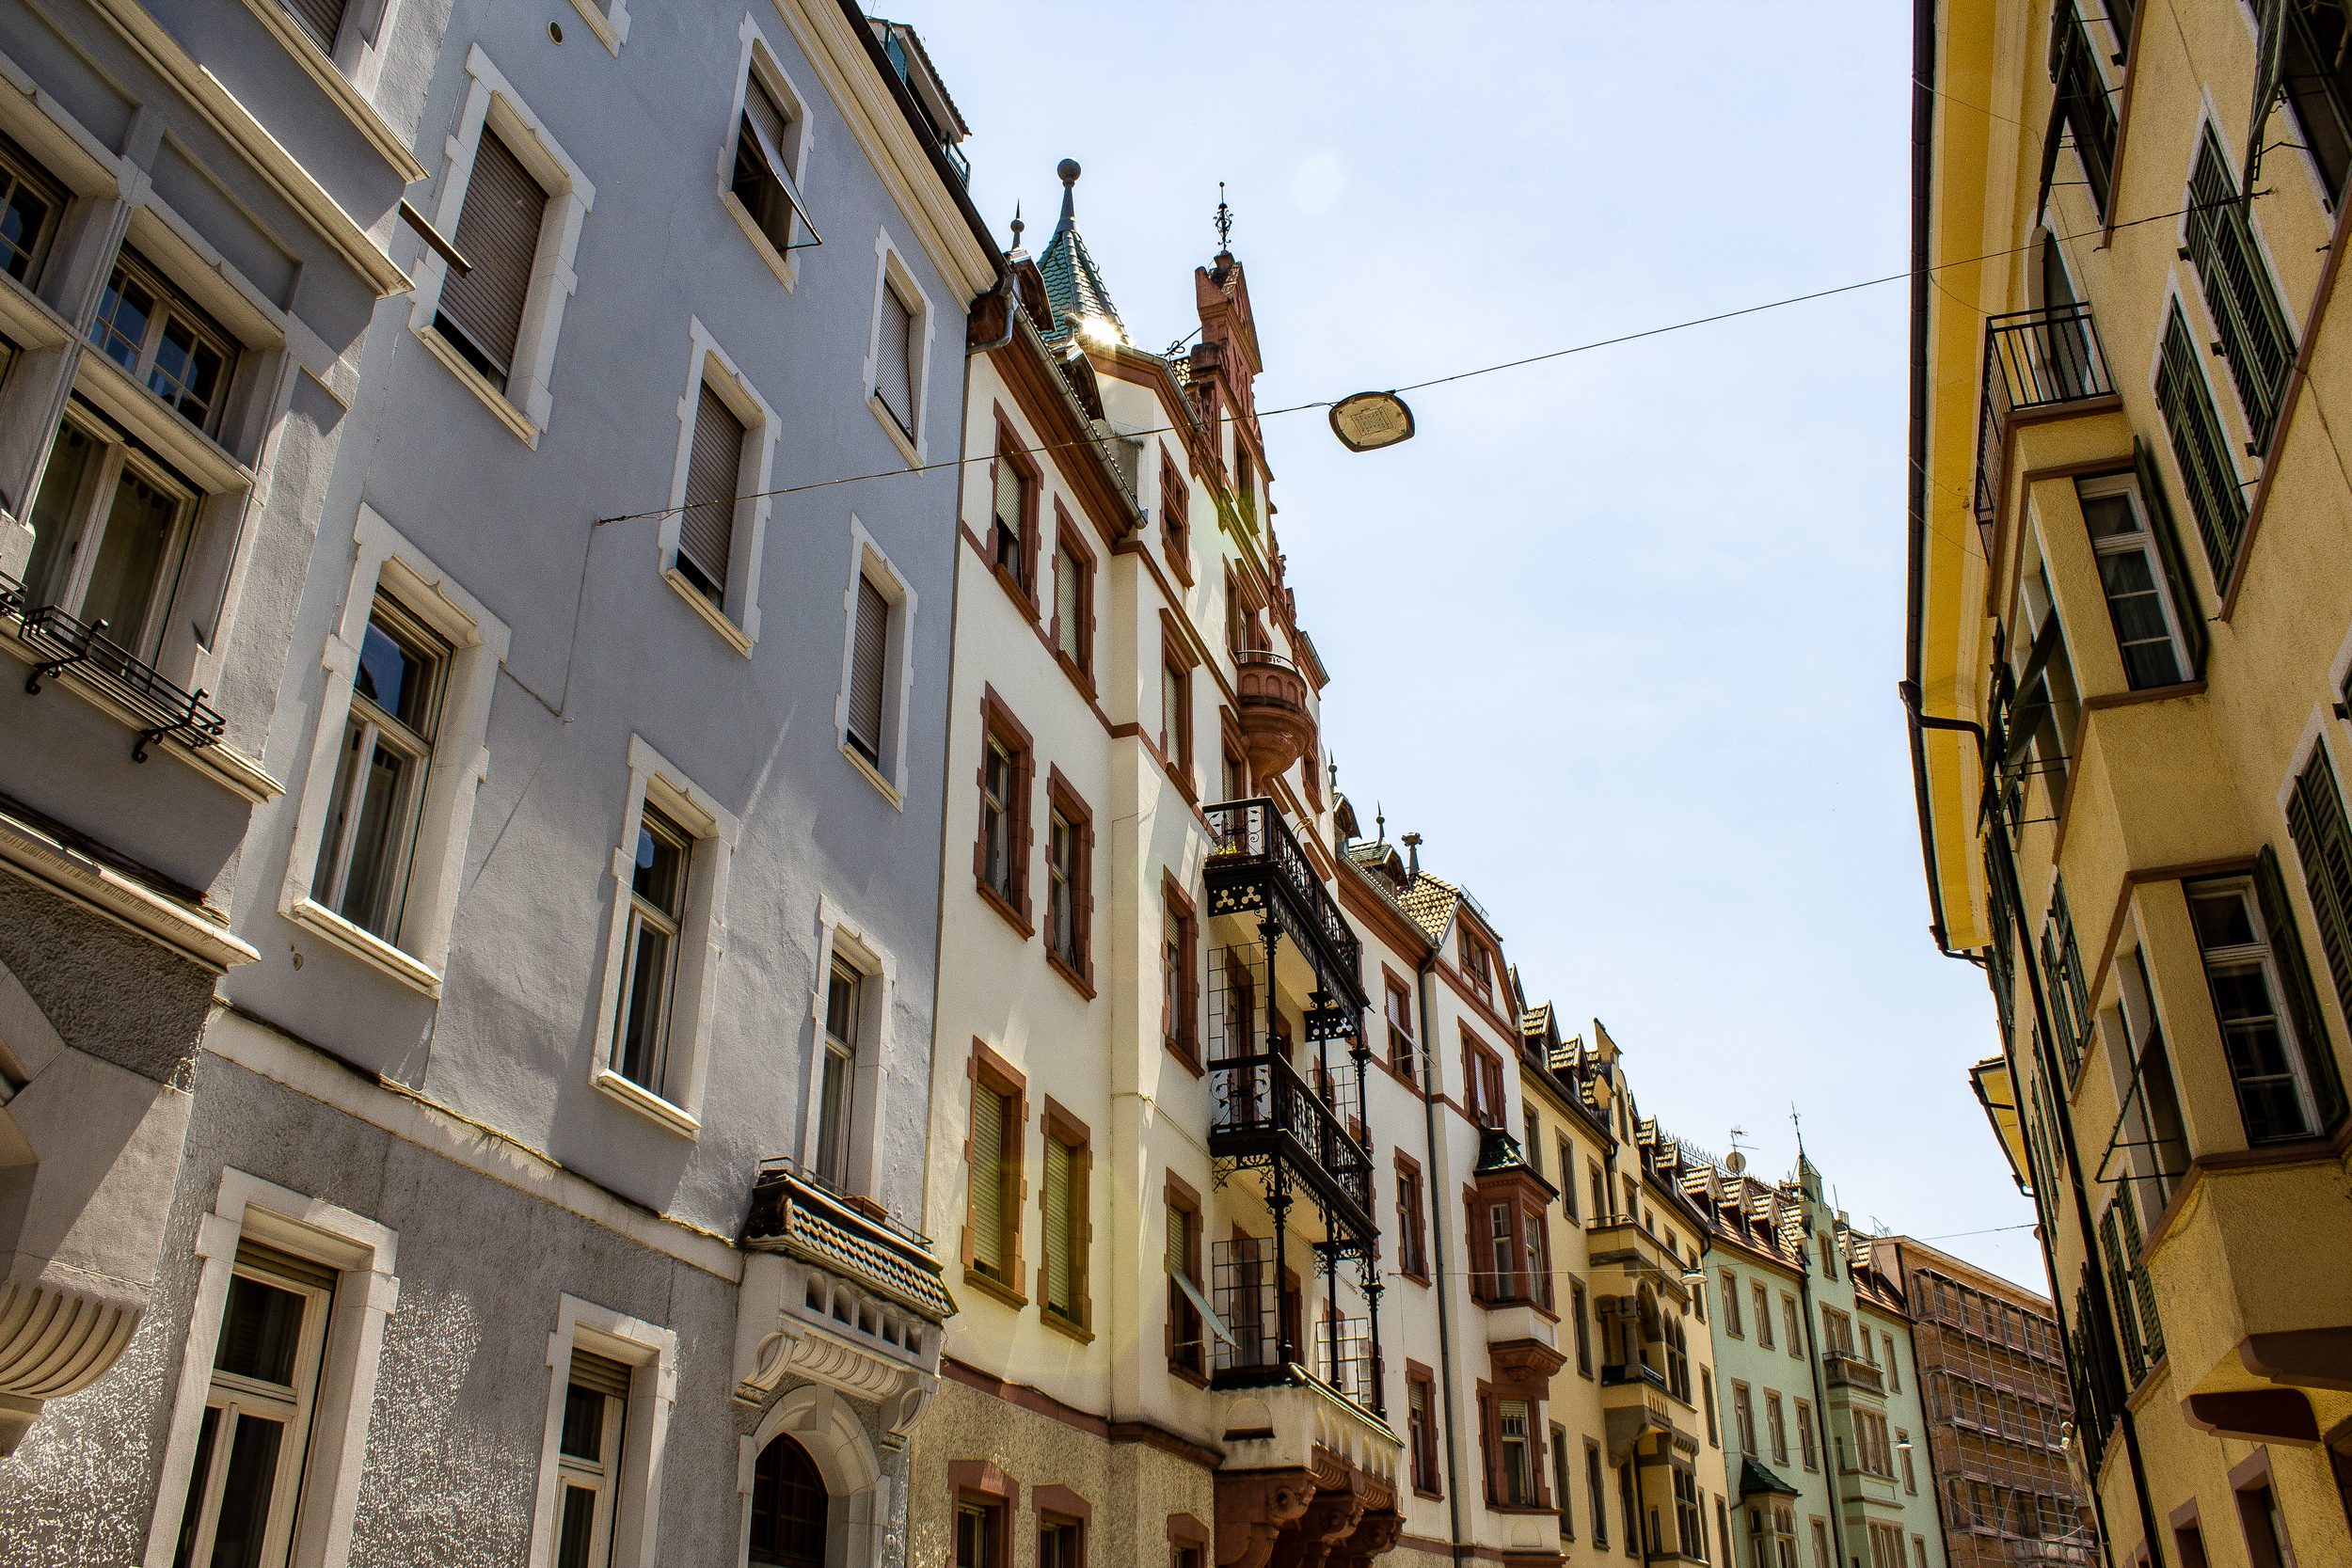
column 1224, row 222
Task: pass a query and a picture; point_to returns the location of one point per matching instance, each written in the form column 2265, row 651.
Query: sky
column 1618, row 634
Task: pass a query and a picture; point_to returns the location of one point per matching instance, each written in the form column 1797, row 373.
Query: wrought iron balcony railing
column 1261, row 1109
column 59, row 644
column 1616, row 1374
column 2033, row 360
column 1342, row 1352
column 1257, row 864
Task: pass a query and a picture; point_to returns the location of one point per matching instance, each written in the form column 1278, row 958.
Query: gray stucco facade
column 467, row 990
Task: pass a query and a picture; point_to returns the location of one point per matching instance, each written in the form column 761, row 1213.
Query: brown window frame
column 1176, row 729
column 1181, row 1197
column 1020, row 578
column 1183, row 1043
column 1075, row 1137
column 1188, row 1542
column 1175, row 520
column 1078, row 966
column 1394, row 987
column 1055, row 1505
column 1424, row 1473
column 985, row 1066
column 981, row 1484
column 1070, row 539
column 1412, row 1220
column 997, row 723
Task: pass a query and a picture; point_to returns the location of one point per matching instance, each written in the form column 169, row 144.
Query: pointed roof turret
column 1072, row 282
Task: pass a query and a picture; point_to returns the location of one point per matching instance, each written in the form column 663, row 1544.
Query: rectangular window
column 765, row 141
column 2239, row 295
column 996, row 809
column 1707, row 1406
column 1578, row 1311
column 1016, row 509
column 1763, row 1318
column 1175, row 522
column 1411, row 1229
column 1000, row 856
column 1073, row 606
column 1534, row 1145
column 1805, row 1447
column 1176, row 714
column 1600, row 1186
column 1399, row 1005
column 1568, row 1179
column 160, row 340
column 480, row 310
column 1630, row 1512
column 1180, row 983
column 2322, row 842
column 977, row 1525
column 379, row 791
column 897, row 355
column 1902, row 1452
column 595, row 1405
column 2258, row 1035
column 2082, row 109
column 29, row 204
column 110, row 533
column 1420, row 1430
column 1788, row 1321
column 1732, row 1324
column 1501, row 1251
column 995, row 1182
column 1185, row 1322
column 1776, row 1425
column 656, row 910
column 835, row 1109
column 1057, row 1544
column 1837, row 1329
column 257, row 1414
column 1596, row 1497
column 1518, row 1481
column 714, row 463
column 1690, row 1523
column 869, row 665
column 1559, row 1454
column 2130, row 572
column 1820, row 1546
column 1065, row 1206
column 1743, row 1417
column 1062, row 865
column 2207, row 468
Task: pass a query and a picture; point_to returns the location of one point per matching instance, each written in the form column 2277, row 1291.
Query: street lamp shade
column 1369, row 421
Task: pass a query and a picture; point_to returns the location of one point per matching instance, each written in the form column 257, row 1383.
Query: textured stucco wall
column 118, row 996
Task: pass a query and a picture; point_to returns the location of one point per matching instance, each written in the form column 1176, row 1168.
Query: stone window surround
column 651, row 1352
column 891, row 269
column 491, row 101
column 386, row 562
column 708, row 365
column 842, row 936
column 826, row 1426
column 702, row 941
column 1059, row 1126
column 759, row 57
column 1063, row 799
column 986, row 1066
column 610, row 26
column 868, row 561
column 364, row 1254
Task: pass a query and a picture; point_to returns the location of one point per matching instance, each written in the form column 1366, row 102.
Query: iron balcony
column 2033, row 359
column 1262, row 1110
column 1256, row 865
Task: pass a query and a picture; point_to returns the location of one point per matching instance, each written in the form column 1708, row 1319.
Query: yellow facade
column 2131, row 625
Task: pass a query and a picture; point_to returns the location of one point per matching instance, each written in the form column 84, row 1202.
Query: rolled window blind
column 705, row 534
column 1179, row 1244
column 866, row 663
column 767, row 117
column 1008, row 496
column 321, row 19
column 1058, row 1294
column 599, row 1372
column 894, row 378
column 987, row 1180
column 498, row 229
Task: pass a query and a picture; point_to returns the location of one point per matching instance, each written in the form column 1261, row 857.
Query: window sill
column 338, row 87
column 220, row 762
column 734, row 635
column 366, row 946
column 473, row 381
column 857, row 760
column 588, row 14
column 1190, row 1059
column 26, row 317
column 1013, row 917
column 213, row 467
column 1186, row 1374
column 1019, row 595
column 1181, row 778
column 2144, row 694
column 787, row 271
column 1077, row 981
column 1425, row 1492
column 1078, row 678
column 647, row 1104
column 1178, row 555
column 1060, row 1324
column 889, row 421
column 995, row 1287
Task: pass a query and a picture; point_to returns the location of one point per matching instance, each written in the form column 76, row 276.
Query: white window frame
column 867, row 560
column 526, row 406
column 891, row 270
column 611, row 27
column 711, row 366
column 363, row 1253
column 387, row 563
column 759, row 57
column 2143, row 544
column 2263, row 953
column 842, row 936
column 702, row 942
column 827, row 1427
column 650, row 1351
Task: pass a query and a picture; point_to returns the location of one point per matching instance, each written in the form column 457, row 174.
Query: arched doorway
column 788, row 1505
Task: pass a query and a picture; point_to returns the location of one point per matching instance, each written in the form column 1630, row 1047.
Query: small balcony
column 1256, row 865
column 1623, row 1244
column 1261, row 1109
column 1270, row 695
column 2034, row 362
column 1339, row 1353
column 1845, row 1369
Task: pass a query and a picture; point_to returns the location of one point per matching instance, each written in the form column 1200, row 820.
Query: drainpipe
column 1010, row 288
column 1820, row 1392
column 1437, row 1204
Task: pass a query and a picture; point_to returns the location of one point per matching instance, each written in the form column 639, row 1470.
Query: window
column 1073, row 631
column 1732, row 1324
column 1628, row 1487
column 977, row 1527
column 1869, row 1348
column 1518, row 1477
column 1887, row 1545
column 1478, row 966
column 657, row 912
column 1013, row 531
column 1063, row 1200
column 1678, row 1359
column 1502, row 1249
column 379, row 790
column 1070, row 883
column 839, row 1088
column 1399, row 1007
column 897, row 355
column 869, row 643
column 1559, row 1455
column 788, row 1506
column 707, row 518
column 480, row 310
column 1175, row 521
column 1180, row 980
column 2259, row 1037
column 1236, row 774
column 1690, row 1522
column 1743, row 1417
column 1920, row 1551
column 1187, row 1311
column 1578, row 1311
column 766, row 192
column 1789, row 1322
column 1872, row 1450
column 1057, row 1544
column 1707, row 1406
column 1805, row 1445
column 2131, row 573
column 1829, row 1256
column 1776, row 1427
column 595, row 1406
column 1568, row 1179
column 1783, row 1535
column 1000, row 857
column 160, row 339
column 29, row 204
column 1600, row 1186
column 992, row 1244
column 1420, row 1430
column 1412, row 1243
column 2082, row 105
column 1838, row 1330
column 110, row 533
column 1596, row 1497
column 1176, row 712
column 2207, row 468
column 2322, row 842
column 1820, row 1546
column 1894, row 1366
column 1902, row 1452
column 1763, row 1318
column 2239, row 294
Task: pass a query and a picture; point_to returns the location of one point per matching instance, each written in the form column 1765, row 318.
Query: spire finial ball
column 1067, row 169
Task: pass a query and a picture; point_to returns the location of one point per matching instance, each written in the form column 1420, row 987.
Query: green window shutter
column 2143, row 1288
column 2191, row 613
column 2119, row 1290
column 987, row 1182
column 2198, row 448
column 2239, row 292
column 2323, row 841
column 2058, row 995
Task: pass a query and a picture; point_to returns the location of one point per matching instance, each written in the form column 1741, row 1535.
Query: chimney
column 1412, row 846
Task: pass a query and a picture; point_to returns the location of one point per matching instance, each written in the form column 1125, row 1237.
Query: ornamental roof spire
column 1074, row 284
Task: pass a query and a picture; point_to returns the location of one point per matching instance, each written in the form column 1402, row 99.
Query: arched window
column 788, row 1506
column 1678, row 1360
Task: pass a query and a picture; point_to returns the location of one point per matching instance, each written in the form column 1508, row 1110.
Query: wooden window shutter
column 322, row 19
column 868, row 668
column 706, row 535
column 1083, row 898
column 894, row 374
column 600, row 1372
column 2315, row 820
column 498, row 229
column 1058, row 1294
column 987, row 1180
